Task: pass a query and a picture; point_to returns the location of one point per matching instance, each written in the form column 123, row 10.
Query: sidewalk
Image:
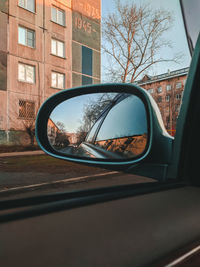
column 24, row 153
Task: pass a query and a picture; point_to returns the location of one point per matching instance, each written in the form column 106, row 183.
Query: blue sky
column 71, row 111
column 176, row 34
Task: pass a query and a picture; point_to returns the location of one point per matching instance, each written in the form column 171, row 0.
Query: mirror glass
column 100, row 125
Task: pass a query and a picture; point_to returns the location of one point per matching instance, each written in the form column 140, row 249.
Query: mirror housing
column 152, row 163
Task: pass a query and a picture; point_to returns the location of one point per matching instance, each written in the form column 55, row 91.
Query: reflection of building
column 131, row 146
column 52, row 131
column 73, row 138
column 45, row 46
column 167, row 90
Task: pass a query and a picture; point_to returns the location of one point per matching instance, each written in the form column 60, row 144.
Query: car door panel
column 134, row 231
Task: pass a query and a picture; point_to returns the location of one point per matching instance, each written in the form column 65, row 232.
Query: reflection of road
column 68, row 150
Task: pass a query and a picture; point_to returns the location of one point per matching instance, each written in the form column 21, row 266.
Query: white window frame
column 57, row 83
column 178, row 85
column 26, row 66
column 151, row 90
column 24, row 4
column 56, row 53
column 159, row 90
column 167, row 98
column 178, row 96
column 26, row 36
column 57, row 15
column 168, row 87
column 177, row 108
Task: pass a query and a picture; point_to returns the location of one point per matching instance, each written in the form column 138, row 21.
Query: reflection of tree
column 61, row 126
column 81, row 135
column 92, row 111
column 57, row 134
column 130, row 146
column 61, row 140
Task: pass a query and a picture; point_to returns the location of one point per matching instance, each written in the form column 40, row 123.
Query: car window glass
column 79, row 46
column 91, row 134
column 127, row 118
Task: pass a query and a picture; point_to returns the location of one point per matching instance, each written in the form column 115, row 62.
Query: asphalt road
column 21, row 176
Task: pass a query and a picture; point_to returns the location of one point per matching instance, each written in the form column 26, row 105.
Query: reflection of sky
column 176, row 34
column 127, row 118
column 71, row 111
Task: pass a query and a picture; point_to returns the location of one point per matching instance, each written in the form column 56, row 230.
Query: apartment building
column 167, row 90
column 45, row 46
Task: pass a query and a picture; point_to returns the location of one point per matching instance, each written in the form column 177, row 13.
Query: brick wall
column 168, row 95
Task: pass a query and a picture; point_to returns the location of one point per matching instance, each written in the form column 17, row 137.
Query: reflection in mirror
column 101, row 125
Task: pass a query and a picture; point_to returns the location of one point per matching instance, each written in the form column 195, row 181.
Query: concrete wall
column 40, row 57
column 86, row 31
column 14, row 138
column 3, row 64
column 4, row 6
column 12, row 53
column 3, row 44
column 52, row 62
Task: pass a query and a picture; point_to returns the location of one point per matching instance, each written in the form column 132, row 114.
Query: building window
column 178, row 85
column 87, row 65
column 178, row 96
column 159, row 99
column 57, row 48
column 177, row 108
column 27, row 4
column 167, row 119
column 26, row 109
column 159, row 90
column 151, row 91
column 26, row 37
column 26, row 73
column 169, row 87
column 57, row 80
column 87, row 58
column 86, row 80
column 58, row 16
column 167, row 98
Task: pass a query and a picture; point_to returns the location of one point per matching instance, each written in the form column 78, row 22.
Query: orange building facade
column 167, row 90
column 44, row 45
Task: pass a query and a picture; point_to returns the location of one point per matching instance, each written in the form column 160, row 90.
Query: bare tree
column 61, row 126
column 133, row 39
column 24, row 120
column 93, row 109
column 29, row 127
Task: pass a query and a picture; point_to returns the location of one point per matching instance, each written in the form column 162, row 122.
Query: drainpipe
column 8, row 83
column 44, row 69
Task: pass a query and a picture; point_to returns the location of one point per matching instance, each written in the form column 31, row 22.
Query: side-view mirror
column 116, row 126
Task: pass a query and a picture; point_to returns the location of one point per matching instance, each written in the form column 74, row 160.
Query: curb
column 32, row 187
column 24, row 153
